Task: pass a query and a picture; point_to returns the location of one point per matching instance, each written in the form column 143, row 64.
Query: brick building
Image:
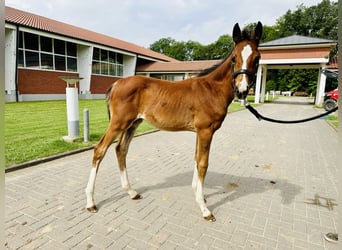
column 38, row 50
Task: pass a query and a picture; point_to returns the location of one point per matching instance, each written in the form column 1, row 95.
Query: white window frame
column 53, row 54
column 118, row 73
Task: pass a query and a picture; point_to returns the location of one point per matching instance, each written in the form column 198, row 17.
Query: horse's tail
column 108, row 100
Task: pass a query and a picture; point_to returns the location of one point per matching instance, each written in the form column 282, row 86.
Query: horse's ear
column 236, row 33
column 258, row 32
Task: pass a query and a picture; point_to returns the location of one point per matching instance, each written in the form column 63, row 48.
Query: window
column 59, row 47
column 46, row 44
column 71, row 64
column 46, row 61
column 72, row 49
column 107, row 63
column 60, row 63
column 20, row 58
column 32, row 59
column 46, row 53
column 31, row 41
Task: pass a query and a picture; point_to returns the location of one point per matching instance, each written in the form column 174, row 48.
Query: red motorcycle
column 330, row 100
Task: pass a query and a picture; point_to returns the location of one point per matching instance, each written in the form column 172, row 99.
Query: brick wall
column 48, row 82
column 100, row 84
column 41, row 81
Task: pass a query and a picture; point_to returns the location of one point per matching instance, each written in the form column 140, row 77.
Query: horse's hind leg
column 121, row 153
column 100, row 150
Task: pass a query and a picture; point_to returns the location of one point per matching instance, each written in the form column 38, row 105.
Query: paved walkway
column 270, row 186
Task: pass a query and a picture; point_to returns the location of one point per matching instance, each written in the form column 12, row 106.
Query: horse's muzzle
column 241, row 95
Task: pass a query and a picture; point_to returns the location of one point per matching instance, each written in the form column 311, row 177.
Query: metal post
column 86, row 125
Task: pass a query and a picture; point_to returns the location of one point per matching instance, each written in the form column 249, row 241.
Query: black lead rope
column 261, row 117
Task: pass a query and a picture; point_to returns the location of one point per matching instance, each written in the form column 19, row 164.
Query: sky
column 145, row 21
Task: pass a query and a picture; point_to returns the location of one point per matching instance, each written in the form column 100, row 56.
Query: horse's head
column 245, row 58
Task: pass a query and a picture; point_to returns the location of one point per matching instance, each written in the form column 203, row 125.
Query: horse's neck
column 222, row 76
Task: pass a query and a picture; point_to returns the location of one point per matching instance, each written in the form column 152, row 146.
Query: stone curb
column 57, row 156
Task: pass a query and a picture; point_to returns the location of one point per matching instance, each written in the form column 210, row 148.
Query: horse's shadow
column 222, row 188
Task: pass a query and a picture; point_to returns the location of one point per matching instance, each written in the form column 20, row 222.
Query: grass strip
column 34, row 130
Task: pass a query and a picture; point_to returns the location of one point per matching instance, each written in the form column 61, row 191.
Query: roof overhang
column 299, row 63
column 298, row 46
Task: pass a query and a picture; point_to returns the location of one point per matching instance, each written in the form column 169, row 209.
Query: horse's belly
column 171, row 122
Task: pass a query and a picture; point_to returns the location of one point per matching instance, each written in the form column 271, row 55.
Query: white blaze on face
column 245, row 54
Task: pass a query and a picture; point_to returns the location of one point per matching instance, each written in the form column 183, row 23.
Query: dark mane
column 245, row 36
column 212, row 68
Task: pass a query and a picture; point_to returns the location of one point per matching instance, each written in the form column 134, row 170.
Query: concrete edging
column 57, row 156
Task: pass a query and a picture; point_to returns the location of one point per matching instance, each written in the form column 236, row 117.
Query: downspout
column 16, row 64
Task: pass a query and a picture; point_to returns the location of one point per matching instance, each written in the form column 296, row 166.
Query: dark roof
column 296, row 40
column 23, row 18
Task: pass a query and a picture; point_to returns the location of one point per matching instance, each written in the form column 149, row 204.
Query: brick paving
column 270, row 186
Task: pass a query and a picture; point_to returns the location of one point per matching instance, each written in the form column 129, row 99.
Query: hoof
column 137, row 197
column 210, row 218
column 92, row 209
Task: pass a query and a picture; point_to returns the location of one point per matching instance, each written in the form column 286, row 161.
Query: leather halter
column 244, row 71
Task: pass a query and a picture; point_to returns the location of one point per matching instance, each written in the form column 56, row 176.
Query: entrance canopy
column 293, row 52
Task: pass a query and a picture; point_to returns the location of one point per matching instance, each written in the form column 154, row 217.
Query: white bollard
column 72, row 113
column 72, row 107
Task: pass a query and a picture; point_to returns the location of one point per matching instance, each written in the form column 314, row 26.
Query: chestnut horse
column 197, row 104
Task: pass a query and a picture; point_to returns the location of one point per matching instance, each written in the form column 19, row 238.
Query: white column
column 10, row 60
column 263, row 84
column 129, row 65
column 258, row 85
column 84, row 66
column 320, row 86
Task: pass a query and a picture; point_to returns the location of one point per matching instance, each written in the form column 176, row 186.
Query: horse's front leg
column 202, row 158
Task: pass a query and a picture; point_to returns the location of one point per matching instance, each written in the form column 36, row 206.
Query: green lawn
column 332, row 119
column 35, row 129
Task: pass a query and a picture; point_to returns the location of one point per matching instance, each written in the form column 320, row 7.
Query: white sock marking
column 125, row 184
column 90, row 188
column 195, row 180
column 199, row 195
column 200, row 200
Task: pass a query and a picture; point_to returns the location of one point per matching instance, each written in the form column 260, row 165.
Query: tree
column 178, row 51
column 222, row 47
column 191, row 50
column 163, row 45
column 320, row 20
column 302, row 80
